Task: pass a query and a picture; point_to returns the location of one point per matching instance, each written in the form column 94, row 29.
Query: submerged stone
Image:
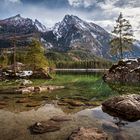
column 73, row 102
column 92, row 103
column 3, row 103
column 60, row 118
column 43, row 127
column 88, row 134
column 33, row 105
column 24, row 100
column 110, row 126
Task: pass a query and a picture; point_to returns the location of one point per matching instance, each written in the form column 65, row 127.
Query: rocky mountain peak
column 25, row 23
column 40, row 26
column 18, row 16
column 15, row 18
column 71, row 19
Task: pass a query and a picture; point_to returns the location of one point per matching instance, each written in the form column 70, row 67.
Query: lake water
column 14, row 126
column 15, row 118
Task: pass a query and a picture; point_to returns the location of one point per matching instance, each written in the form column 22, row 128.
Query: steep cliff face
column 73, row 33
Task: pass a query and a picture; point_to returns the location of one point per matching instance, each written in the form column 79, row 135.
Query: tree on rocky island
column 35, row 57
column 123, row 37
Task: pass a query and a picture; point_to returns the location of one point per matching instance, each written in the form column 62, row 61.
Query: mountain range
column 73, row 36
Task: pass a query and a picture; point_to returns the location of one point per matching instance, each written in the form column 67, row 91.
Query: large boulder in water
column 126, row 71
column 126, row 107
column 88, row 134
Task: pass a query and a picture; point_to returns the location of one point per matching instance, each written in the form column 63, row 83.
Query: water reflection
column 14, row 125
column 120, row 129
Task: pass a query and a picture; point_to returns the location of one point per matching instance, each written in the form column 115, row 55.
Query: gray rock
column 126, row 107
column 127, row 71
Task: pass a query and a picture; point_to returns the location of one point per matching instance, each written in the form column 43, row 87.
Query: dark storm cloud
column 48, row 3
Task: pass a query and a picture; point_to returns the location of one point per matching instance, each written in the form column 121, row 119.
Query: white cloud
column 104, row 14
column 82, row 3
column 13, row 1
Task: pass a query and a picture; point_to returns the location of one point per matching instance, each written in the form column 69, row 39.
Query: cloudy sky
column 102, row 12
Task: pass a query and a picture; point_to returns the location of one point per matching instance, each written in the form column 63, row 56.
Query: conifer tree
column 35, row 56
column 123, row 37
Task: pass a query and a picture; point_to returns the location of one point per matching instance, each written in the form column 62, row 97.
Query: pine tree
column 35, row 57
column 123, row 37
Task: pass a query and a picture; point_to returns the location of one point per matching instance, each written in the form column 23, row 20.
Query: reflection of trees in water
column 119, row 122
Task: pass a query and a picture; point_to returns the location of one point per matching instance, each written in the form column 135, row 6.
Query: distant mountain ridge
column 71, row 35
column 20, row 24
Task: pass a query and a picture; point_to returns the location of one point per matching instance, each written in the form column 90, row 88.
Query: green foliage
column 77, row 59
column 82, row 64
column 4, row 59
column 35, row 57
column 123, row 38
column 32, row 56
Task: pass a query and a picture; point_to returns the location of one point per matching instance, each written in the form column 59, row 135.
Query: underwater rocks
column 127, row 71
column 110, row 126
column 126, row 107
column 60, row 118
column 30, row 89
column 78, row 103
column 52, row 125
column 33, row 104
column 2, row 104
column 24, row 100
column 88, row 134
column 43, row 127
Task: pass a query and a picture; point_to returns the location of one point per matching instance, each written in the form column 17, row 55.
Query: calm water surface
column 15, row 118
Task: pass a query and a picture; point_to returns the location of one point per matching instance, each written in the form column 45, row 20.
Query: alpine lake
column 80, row 99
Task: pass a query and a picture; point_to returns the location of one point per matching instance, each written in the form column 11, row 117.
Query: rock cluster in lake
column 126, row 107
column 126, row 71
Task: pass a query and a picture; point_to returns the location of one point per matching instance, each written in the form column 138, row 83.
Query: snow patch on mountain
column 20, row 21
column 40, row 26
